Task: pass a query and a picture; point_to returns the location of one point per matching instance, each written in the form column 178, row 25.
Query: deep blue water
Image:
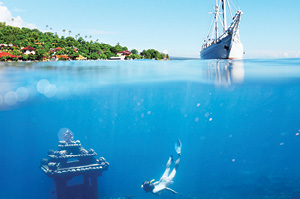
column 238, row 121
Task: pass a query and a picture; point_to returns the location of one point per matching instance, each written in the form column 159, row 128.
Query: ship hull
column 230, row 47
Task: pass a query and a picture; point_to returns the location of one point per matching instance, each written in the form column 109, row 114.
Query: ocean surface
column 238, row 121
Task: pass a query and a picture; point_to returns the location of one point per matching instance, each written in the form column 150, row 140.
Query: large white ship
column 228, row 44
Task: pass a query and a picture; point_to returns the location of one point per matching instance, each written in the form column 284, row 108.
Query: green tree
column 134, row 51
column 135, row 56
column 32, row 57
column 109, row 54
column 25, row 57
column 3, row 58
column 94, row 56
column 116, row 48
column 14, row 58
column 103, row 56
column 40, row 53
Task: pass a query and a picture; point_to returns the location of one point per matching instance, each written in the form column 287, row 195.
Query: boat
column 228, row 44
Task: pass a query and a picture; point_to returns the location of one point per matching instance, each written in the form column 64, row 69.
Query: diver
column 166, row 179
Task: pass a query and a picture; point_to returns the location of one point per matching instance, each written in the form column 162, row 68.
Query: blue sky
column 268, row 28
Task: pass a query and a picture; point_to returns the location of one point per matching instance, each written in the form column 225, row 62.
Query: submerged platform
column 72, row 160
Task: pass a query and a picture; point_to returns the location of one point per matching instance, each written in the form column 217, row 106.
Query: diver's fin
column 178, row 146
column 171, row 190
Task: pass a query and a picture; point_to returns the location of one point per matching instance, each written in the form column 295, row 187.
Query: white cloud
column 17, row 10
column 6, row 16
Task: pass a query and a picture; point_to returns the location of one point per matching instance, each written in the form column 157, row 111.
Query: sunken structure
column 73, row 161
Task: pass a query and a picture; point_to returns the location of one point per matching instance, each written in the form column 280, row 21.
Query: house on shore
column 57, row 49
column 7, row 46
column 60, row 57
column 28, row 50
column 8, row 55
column 121, row 55
column 124, row 52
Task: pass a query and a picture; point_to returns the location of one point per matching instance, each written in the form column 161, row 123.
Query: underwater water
column 238, row 121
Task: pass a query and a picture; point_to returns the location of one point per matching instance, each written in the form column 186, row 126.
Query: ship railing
column 208, row 43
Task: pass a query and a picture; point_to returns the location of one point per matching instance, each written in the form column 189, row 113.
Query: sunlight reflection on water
column 21, row 82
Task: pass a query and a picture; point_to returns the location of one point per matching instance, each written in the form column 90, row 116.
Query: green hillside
column 45, row 42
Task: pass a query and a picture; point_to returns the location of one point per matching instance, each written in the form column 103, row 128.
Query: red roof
column 57, row 49
column 6, row 54
column 126, row 52
column 28, row 48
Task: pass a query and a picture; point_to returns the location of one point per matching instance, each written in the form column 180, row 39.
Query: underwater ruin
column 72, row 160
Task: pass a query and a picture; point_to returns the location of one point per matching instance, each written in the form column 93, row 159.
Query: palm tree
column 70, row 32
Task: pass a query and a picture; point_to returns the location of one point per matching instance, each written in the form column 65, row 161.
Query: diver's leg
column 166, row 173
column 173, row 173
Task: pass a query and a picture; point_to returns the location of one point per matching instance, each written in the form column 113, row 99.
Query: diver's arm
column 155, row 183
column 167, row 188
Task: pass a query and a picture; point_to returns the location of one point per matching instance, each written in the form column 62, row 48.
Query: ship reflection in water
column 225, row 72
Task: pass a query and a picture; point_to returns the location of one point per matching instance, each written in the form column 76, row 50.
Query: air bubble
column 41, row 85
column 22, row 94
column 50, row 91
column 61, row 133
column 10, row 98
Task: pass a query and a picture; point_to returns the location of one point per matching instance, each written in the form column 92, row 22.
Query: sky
column 268, row 28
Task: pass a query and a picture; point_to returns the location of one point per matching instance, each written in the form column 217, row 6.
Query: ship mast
column 224, row 15
column 216, row 19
